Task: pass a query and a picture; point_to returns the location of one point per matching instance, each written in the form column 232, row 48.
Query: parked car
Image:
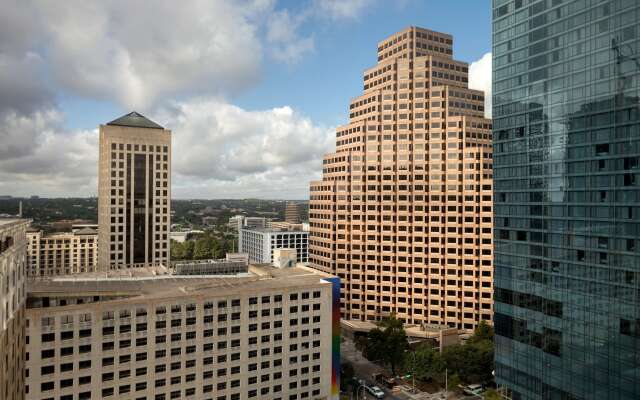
column 376, row 392
column 474, row 390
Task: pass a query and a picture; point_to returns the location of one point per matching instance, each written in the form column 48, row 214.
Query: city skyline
column 288, row 129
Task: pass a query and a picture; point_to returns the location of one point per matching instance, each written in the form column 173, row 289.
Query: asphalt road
column 363, row 369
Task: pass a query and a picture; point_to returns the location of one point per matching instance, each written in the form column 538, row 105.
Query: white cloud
column 221, row 150
column 173, row 63
column 137, row 53
column 480, row 79
column 50, row 162
column 343, row 8
column 286, row 44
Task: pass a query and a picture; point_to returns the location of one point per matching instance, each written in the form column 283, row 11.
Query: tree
column 188, row 249
column 361, row 344
column 202, row 249
column 482, row 332
column 424, row 362
column 492, row 394
column 346, row 375
column 473, row 360
column 387, row 344
column 454, row 382
column 177, row 250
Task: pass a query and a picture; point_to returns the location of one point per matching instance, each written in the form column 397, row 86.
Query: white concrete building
column 260, row 243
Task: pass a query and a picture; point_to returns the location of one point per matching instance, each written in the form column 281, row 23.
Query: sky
column 251, row 89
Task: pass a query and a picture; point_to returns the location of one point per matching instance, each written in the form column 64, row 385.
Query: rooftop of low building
column 158, row 282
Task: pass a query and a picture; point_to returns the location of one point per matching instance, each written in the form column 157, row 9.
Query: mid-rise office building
column 403, row 213
column 260, row 243
column 13, row 273
column 134, row 193
column 61, row 253
column 136, row 334
column 238, row 222
column 292, row 213
column 567, row 192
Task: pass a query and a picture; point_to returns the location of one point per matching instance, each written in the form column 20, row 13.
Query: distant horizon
column 38, row 197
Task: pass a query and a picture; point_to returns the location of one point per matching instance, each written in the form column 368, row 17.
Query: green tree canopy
column 388, row 344
column 424, row 362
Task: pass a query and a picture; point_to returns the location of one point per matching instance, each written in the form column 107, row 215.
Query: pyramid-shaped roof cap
column 135, row 120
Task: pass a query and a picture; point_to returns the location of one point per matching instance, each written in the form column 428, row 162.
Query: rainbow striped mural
column 335, row 337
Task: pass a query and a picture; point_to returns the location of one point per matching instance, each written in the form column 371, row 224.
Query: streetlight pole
column 413, row 371
column 358, row 391
column 446, row 383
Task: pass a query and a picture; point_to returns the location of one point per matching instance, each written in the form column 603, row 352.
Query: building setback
column 62, row 253
column 134, row 191
column 263, row 335
column 567, row 193
column 403, row 213
column 13, row 273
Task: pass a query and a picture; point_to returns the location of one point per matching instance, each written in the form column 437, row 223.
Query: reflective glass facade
column 566, row 83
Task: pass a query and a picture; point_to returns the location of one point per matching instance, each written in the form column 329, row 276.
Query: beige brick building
column 403, row 213
column 139, row 334
column 292, row 213
column 61, row 253
column 13, row 259
column 134, row 191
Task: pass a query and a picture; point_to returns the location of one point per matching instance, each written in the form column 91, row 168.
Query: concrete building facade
column 134, row 179
column 62, row 253
column 13, row 272
column 263, row 335
column 292, row 213
column 403, row 213
column 260, row 243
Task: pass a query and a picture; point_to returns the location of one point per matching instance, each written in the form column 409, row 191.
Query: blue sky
column 251, row 89
column 321, row 84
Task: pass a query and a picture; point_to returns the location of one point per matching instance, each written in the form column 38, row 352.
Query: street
column 364, row 369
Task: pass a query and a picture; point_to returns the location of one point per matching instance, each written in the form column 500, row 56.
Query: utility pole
column 446, row 383
column 413, row 372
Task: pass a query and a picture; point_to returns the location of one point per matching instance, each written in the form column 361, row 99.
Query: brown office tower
column 134, row 193
column 291, row 213
column 403, row 213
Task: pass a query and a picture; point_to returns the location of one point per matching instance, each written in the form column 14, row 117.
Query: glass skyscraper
column 566, row 82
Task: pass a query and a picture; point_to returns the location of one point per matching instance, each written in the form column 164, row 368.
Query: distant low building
column 284, row 258
column 65, row 225
column 288, row 226
column 259, row 243
column 183, row 236
column 62, row 253
column 292, row 213
column 233, row 263
column 238, row 222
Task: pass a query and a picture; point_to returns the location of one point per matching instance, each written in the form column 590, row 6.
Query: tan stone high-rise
column 403, row 213
column 61, row 253
column 13, row 296
column 134, row 205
